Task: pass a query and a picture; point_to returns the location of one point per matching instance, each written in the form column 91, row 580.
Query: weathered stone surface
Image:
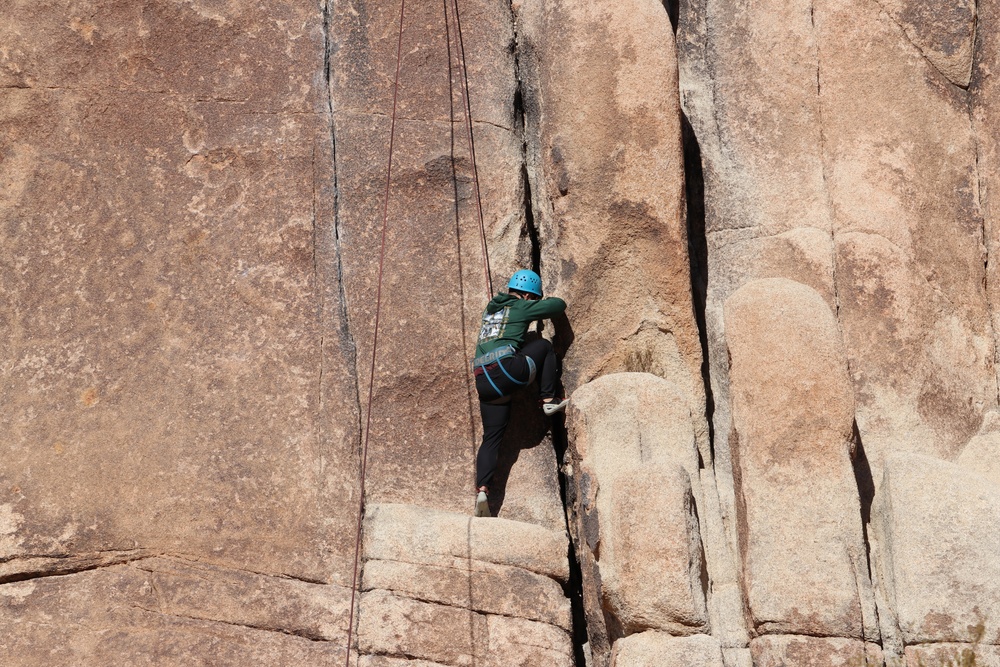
column 834, row 153
column 419, row 535
column 982, row 452
column 651, row 559
column 636, row 455
column 401, row 626
column 937, row 544
column 943, row 32
column 386, row 661
column 167, row 612
column 484, row 588
column 904, row 189
column 173, row 376
column 800, row 524
column 522, row 643
column 622, row 419
column 658, row 649
column 984, row 102
column 425, row 421
column 802, row 651
column 737, row 657
column 957, row 655
column 606, row 169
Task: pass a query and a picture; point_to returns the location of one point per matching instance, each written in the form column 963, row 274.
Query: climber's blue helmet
column 526, row 281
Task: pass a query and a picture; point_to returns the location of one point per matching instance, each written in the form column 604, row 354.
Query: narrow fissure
column 346, row 339
column 573, row 588
column 975, row 82
column 71, row 567
column 694, row 196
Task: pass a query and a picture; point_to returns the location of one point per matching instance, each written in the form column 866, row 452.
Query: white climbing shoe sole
column 554, row 407
column 482, row 505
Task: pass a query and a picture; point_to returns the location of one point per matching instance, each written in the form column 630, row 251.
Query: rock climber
column 504, row 364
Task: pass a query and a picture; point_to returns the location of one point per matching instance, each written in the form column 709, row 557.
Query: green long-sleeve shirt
column 507, row 318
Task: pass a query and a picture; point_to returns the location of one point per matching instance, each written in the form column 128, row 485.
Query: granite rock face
column 936, row 549
column 774, row 225
column 456, row 590
column 801, row 542
column 603, row 137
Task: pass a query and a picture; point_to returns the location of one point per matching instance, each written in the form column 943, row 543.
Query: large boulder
column 637, row 524
column 936, row 546
column 804, row 563
column 455, row 590
column 837, row 151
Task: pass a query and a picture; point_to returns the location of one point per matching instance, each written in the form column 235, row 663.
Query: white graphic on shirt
column 493, row 325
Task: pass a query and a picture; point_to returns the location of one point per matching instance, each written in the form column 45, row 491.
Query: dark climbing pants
column 495, row 409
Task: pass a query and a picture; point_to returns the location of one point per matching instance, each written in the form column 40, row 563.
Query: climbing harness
column 464, row 89
column 484, row 362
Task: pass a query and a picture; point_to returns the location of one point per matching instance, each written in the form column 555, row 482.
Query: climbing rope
column 464, row 89
column 381, row 265
column 378, row 311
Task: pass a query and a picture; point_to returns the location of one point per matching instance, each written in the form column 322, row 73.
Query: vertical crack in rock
column 529, row 218
column 346, row 339
column 866, row 495
column 573, row 588
column 521, row 126
column 694, row 204
column 673, row 12
column 975, row 82
column 823, row 166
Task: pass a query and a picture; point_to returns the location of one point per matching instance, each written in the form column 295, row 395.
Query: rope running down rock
column 381, row 264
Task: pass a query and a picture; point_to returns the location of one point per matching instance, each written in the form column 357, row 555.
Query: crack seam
column 906, row 35
column 201, row 619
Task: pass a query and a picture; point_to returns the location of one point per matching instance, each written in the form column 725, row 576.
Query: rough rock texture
column 775, row 226
column 604, row 152
column 425, row 423
column 801, row 539
column 982, row 452
column 658, row 649
column 168, row 611
column 835, row 153
column 461, row 591
column 636, row 516
column 804, row 651
column 960, row 655
column 937, row 545
column 174, row 378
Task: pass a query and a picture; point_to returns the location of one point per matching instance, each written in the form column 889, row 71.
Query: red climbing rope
column 381, row 264
column 378, row 309
column 464, row 89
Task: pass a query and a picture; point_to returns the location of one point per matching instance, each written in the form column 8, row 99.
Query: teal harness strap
column 494, row 357
column 490, row 380
column 509, row 376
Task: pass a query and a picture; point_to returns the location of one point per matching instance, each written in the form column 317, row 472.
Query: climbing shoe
column 482, row 503
column 555, row 407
